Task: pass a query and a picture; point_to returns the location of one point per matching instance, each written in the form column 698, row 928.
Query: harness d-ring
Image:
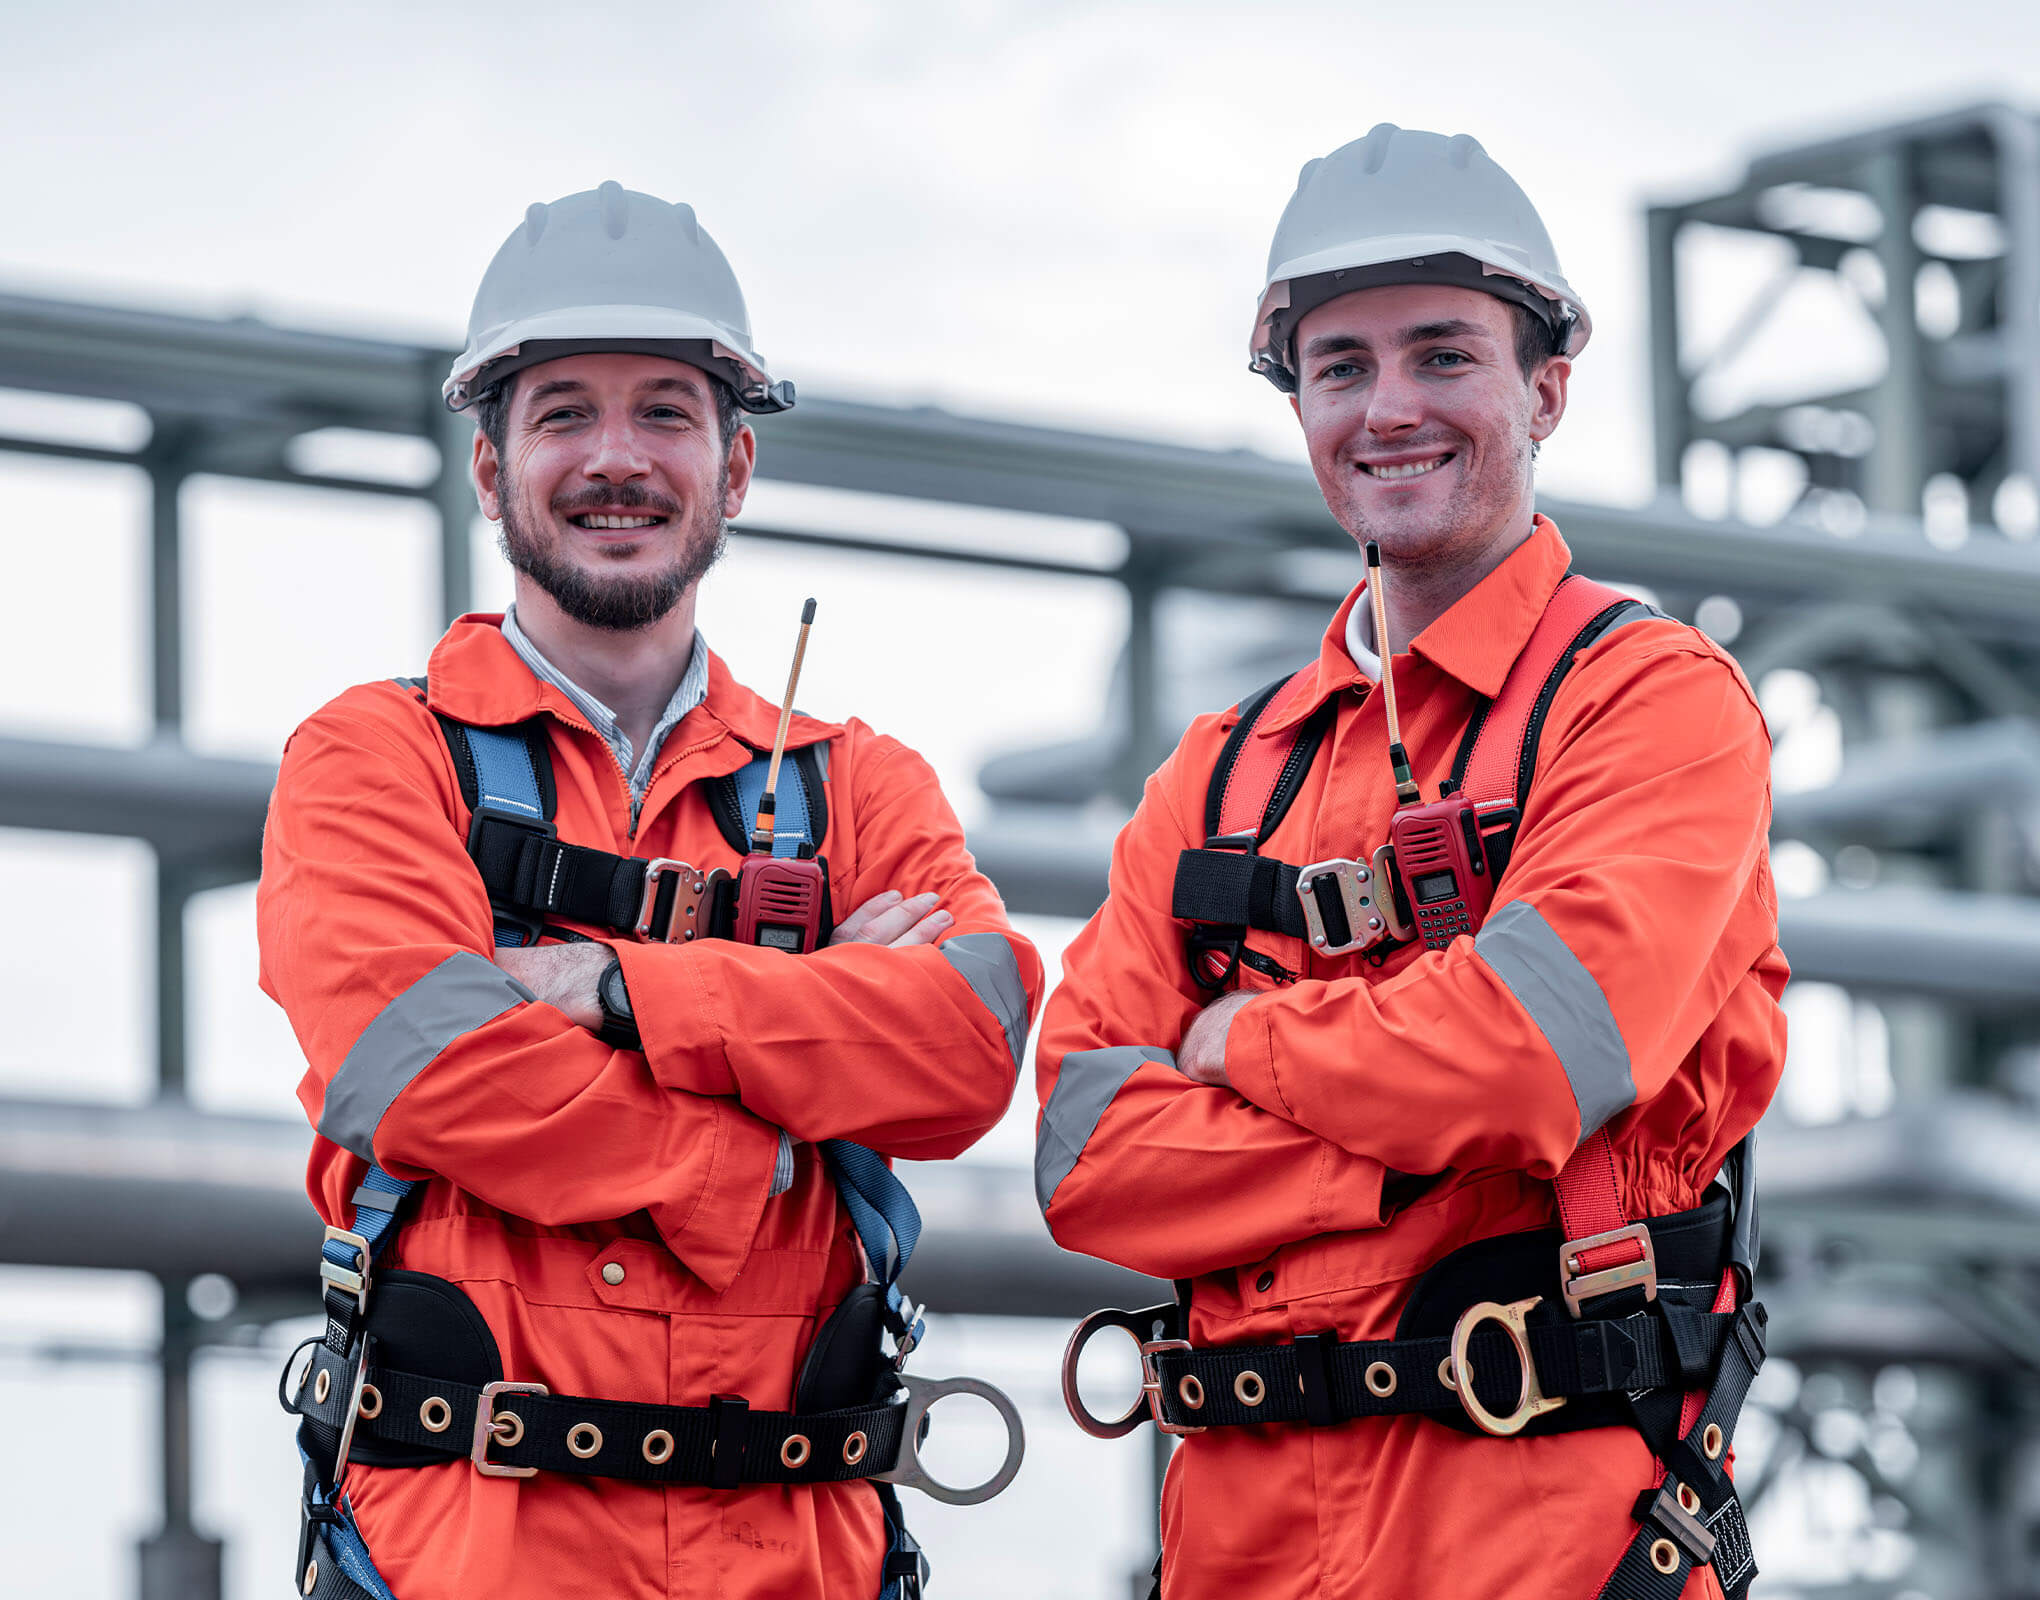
column 907, row 1470
column 1531, row 1401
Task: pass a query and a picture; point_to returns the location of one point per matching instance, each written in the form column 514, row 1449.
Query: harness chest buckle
column 694, row 891
column 1364, row 922
column 1578, row 1284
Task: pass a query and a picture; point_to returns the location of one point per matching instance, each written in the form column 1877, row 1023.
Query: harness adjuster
column 1365, row 924
column 1151, row 1382
column 347, row 1279
column 1660, row 1510
column 695, row 891
column 1578, row 1284
column 509, row 1429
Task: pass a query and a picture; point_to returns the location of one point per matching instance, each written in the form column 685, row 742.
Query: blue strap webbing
column 790, row 821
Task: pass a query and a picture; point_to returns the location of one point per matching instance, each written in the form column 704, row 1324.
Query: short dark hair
column 1537, row 341
column 492, row 411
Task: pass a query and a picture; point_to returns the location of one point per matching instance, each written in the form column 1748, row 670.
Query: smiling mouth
column 602, row 523
column 1391, row 472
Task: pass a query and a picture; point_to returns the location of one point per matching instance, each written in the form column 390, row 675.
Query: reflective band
column 1567, row 1005
column 988, row 966
column 1084, row 1088
column 459, row 995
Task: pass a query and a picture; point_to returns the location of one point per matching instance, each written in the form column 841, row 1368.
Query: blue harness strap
column 790, row 825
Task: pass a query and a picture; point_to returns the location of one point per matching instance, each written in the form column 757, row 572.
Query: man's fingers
column 926, row 931
column 852, row 928
column 887, row 924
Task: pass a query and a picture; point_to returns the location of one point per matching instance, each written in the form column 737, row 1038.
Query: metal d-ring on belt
column 514, row 1430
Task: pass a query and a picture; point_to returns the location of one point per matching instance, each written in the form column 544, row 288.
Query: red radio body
column 1441, row 866
column 781, row 903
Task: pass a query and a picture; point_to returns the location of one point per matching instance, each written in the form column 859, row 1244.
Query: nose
column 616, row 453
column 1394, row 404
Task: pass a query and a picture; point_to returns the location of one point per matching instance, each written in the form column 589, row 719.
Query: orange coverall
column 552, row 1157
column 1643, row 850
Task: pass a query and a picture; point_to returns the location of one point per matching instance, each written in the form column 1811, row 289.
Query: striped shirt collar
column 638, row 771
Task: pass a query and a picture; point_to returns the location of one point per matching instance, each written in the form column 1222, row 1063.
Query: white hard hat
column 611, row 270
column 1400, row 206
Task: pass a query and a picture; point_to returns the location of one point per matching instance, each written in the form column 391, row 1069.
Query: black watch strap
column 619, row 1023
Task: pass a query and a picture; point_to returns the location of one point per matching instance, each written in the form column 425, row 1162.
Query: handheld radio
column 782, row 901
column 1435, row 858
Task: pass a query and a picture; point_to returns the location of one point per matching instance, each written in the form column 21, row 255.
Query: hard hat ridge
column 1400, row 205
column 611, row 269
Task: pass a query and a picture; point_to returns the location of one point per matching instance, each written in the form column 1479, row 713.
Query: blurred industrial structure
column 1902, row 1248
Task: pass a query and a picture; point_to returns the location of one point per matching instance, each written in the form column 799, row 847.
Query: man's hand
column 563, row 976
column 892, row 919
column 1201, row 1055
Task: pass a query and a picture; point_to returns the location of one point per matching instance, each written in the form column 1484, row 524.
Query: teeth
column 617, row 522
column 1414, row 469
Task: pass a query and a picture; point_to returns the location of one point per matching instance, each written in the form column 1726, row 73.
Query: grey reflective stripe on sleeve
column 457, row 996
column 1083, row 1089
column 1566, row 1004
column 987, row 963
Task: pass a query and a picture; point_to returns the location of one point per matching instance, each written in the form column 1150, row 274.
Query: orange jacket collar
column 475, row 677
column 1477, row 640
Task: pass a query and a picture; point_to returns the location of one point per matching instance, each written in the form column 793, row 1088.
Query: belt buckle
column 509, row 1429
column 1363, row 919
column 1151, row 1382
column 692, row 894
column 1577, row 1285
column 1531, row 1400
column 344, row 1278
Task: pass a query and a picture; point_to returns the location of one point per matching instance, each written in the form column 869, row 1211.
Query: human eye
column 1338, row 371
column 1448, row 359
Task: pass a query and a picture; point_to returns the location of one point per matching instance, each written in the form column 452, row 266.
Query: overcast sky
column 1052, row 212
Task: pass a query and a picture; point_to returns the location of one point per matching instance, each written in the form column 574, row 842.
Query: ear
column 743, row 462
column 486, row 469
column 1548, row 392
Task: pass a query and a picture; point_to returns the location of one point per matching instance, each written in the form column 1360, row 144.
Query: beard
column 623, row 602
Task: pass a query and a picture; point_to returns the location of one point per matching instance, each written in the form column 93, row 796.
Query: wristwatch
column 619, row 1022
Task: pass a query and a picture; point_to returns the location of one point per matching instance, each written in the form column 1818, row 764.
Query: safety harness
column 407, row 1372
column 1602, row 1321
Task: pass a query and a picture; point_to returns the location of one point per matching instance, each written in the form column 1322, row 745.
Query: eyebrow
column 1331, row 344
column 553, row 388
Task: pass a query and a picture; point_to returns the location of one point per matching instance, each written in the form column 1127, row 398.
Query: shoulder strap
column 1499, row 753
column 1254, row 781
column 802, row 821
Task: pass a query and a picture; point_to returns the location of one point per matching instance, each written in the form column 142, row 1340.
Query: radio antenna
column 1406, row 791
column 768, row 802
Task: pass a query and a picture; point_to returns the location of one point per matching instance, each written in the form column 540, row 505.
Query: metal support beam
column 1895, row 472
column 1671, row 404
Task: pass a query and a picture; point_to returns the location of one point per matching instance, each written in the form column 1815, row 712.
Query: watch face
column 614, row 996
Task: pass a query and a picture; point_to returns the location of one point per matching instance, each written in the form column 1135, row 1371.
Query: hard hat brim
column 695, row 340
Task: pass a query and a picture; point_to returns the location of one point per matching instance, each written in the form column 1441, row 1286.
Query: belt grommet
column 1445, row 1375
column 508, row 1427
column 311, row 1578
column 1380, row 1379
column 1664, row 1555
column 1191, row 1390
column 371, row 1401
column 435, row 1414
column 584, row 1439
column 1249, row 1387
column 1711, row 1441
column 854, row 1448
column 322, row 1386
column 658, row 1447
column 1689, row 1502
column 794, row 1453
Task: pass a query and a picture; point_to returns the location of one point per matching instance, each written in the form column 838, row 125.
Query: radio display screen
column 1433, row 887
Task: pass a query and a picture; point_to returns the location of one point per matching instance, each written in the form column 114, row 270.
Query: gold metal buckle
column 694, row 892
column 1151, row 1382
column 352, row 1282
column 1578, row 1286
column 1364, row 923
column 510, row 1430
column 1531, row 1401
